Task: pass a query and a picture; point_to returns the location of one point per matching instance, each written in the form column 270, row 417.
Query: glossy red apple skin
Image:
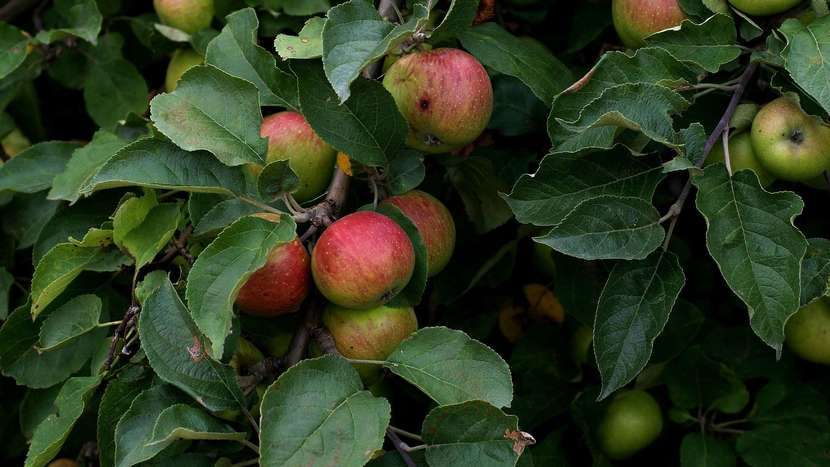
column 434, row 223
column 444, row 94
column 281, row 285
column 634, row 20
column 362, row 260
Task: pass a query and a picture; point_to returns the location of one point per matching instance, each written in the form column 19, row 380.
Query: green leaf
column 299, row 7
column 367, row 127
column 633, row 308
column 182, row 421
column 308, row 43
column 70, row 321
column 79, row 18
column 223, row 214
column 135, row 428
column 213, row 111
column 275, row 179
column 155, row 163
column 414, row 290
column 696, row 381
column 115, row 402
column 336, row 423
column 74, row 221
column 405, row 171
column 526, row 59
column 459, row 18
column 708, row 45
column 130, row 214
column 142, row 227
column 450, row 367
column 6, row 282
column 26, row 215
column 564, row 181
column 807, row 57
column 608, row 227
column 52, row 432
column 83, row 165
column 113, row 87
column 751, row 236
column 177, row 352
column 33, row 169
column 478, row 185
column 36, row 405
column 13, row 48
column 235, row 51
column 63, row 263
column 224, row 266
column 815, row 270
column 471, row 433
column 355, row 35
column 698, row 449
column 516, row 110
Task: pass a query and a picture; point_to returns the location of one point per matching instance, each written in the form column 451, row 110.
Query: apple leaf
column 25, row 216
column 696, row 381
column 476, row 182
column 702, row 449
column 493, row 440
column 79, row 18
column 367, row 127
column 236, row 52
column 223, row 214
column 83, row 165
column 450, row 367
column 213, row 111
column 182, row 421
column 50, row 435
column 135, row 427
column 142, row 226
column 13, row 48
column 317, row 412
column 113, row 87
column 277, row 178
column 751, row 236
column 607, row 227
column 6, row 282
column 308, row 43
column 299, row 7
column 70, row 321
column 118, row 396
column 633, row 308
column 526, row 59
column 177, row 351
column 458, row 18
column 405, row 171
column 815, row 270
column 708, row 45
column 33, row 169
column 807, row 57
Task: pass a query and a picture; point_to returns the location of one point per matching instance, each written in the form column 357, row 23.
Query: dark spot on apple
column 797, row 136
column 431, row 140
column 423, row 103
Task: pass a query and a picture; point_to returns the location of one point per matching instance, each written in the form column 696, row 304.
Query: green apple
column 246, row 355
column 741, row 157
column 181, row 61
column 635, row 20
column 581, row 344
column 790, row 144
column 764, row 7
column 15, row 142
column 632, row 421
column 808, row 332
column 186, row 15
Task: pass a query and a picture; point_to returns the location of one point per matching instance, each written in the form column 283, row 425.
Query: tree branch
column 402, row 448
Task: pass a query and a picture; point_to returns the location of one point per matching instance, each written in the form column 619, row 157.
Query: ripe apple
column 370, row 334
column 741, row 157
column 181, row 61
column 444, row 94
column 764, row 7
column 434, row 223
column 808, row 332
column 632, row 421
column 635, row 20
column 291, row 138
column 186, row 15
column 281, row 285
column 362, row 260
column 790, row 144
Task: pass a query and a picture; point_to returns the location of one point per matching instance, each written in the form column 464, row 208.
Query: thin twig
column 325, row 340
column 402, row 448
column 408, row 434
column 246, row 463
column 250, row 445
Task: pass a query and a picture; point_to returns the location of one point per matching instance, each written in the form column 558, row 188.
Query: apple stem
column 402, row 448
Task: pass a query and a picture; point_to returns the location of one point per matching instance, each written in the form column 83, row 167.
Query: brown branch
column 402, row 448
column 127, row 324
column 325, row 340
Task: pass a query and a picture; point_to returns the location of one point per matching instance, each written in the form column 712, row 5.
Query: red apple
column 189, row 16
column 444, row 94
column 362, row 261
column 434, row 223
column 635, row 20
column 369, row 334
column 281, row 285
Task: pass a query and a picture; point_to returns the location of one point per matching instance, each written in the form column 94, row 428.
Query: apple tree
column 414, row 233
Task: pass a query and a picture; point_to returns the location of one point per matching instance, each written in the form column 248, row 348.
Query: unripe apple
column 764, row 7
column 246, row 355
column 291, row 138
column 790, row 144
column 281, row 285
column 362, row 260
column 741, row 157
column 808, row 332
column 434, row 223
column 444, row 94
column 181, row 61
column 186, row 15
column 635, row 20
column 632, row 421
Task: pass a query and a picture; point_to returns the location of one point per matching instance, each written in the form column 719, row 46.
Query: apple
column 434, row 223
column 444, row 94
column 790, row 144
column 281, row 285
column 370, row 334
column 635, row 20
column 632, row 421
column 741, row 157
column 186, row 15
column 291, row 138
column 764, row 7
column 246, row 355
column 181, row 61
column 362, row 260
column 808, row 332
column 63, row 462
column 581, row 341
